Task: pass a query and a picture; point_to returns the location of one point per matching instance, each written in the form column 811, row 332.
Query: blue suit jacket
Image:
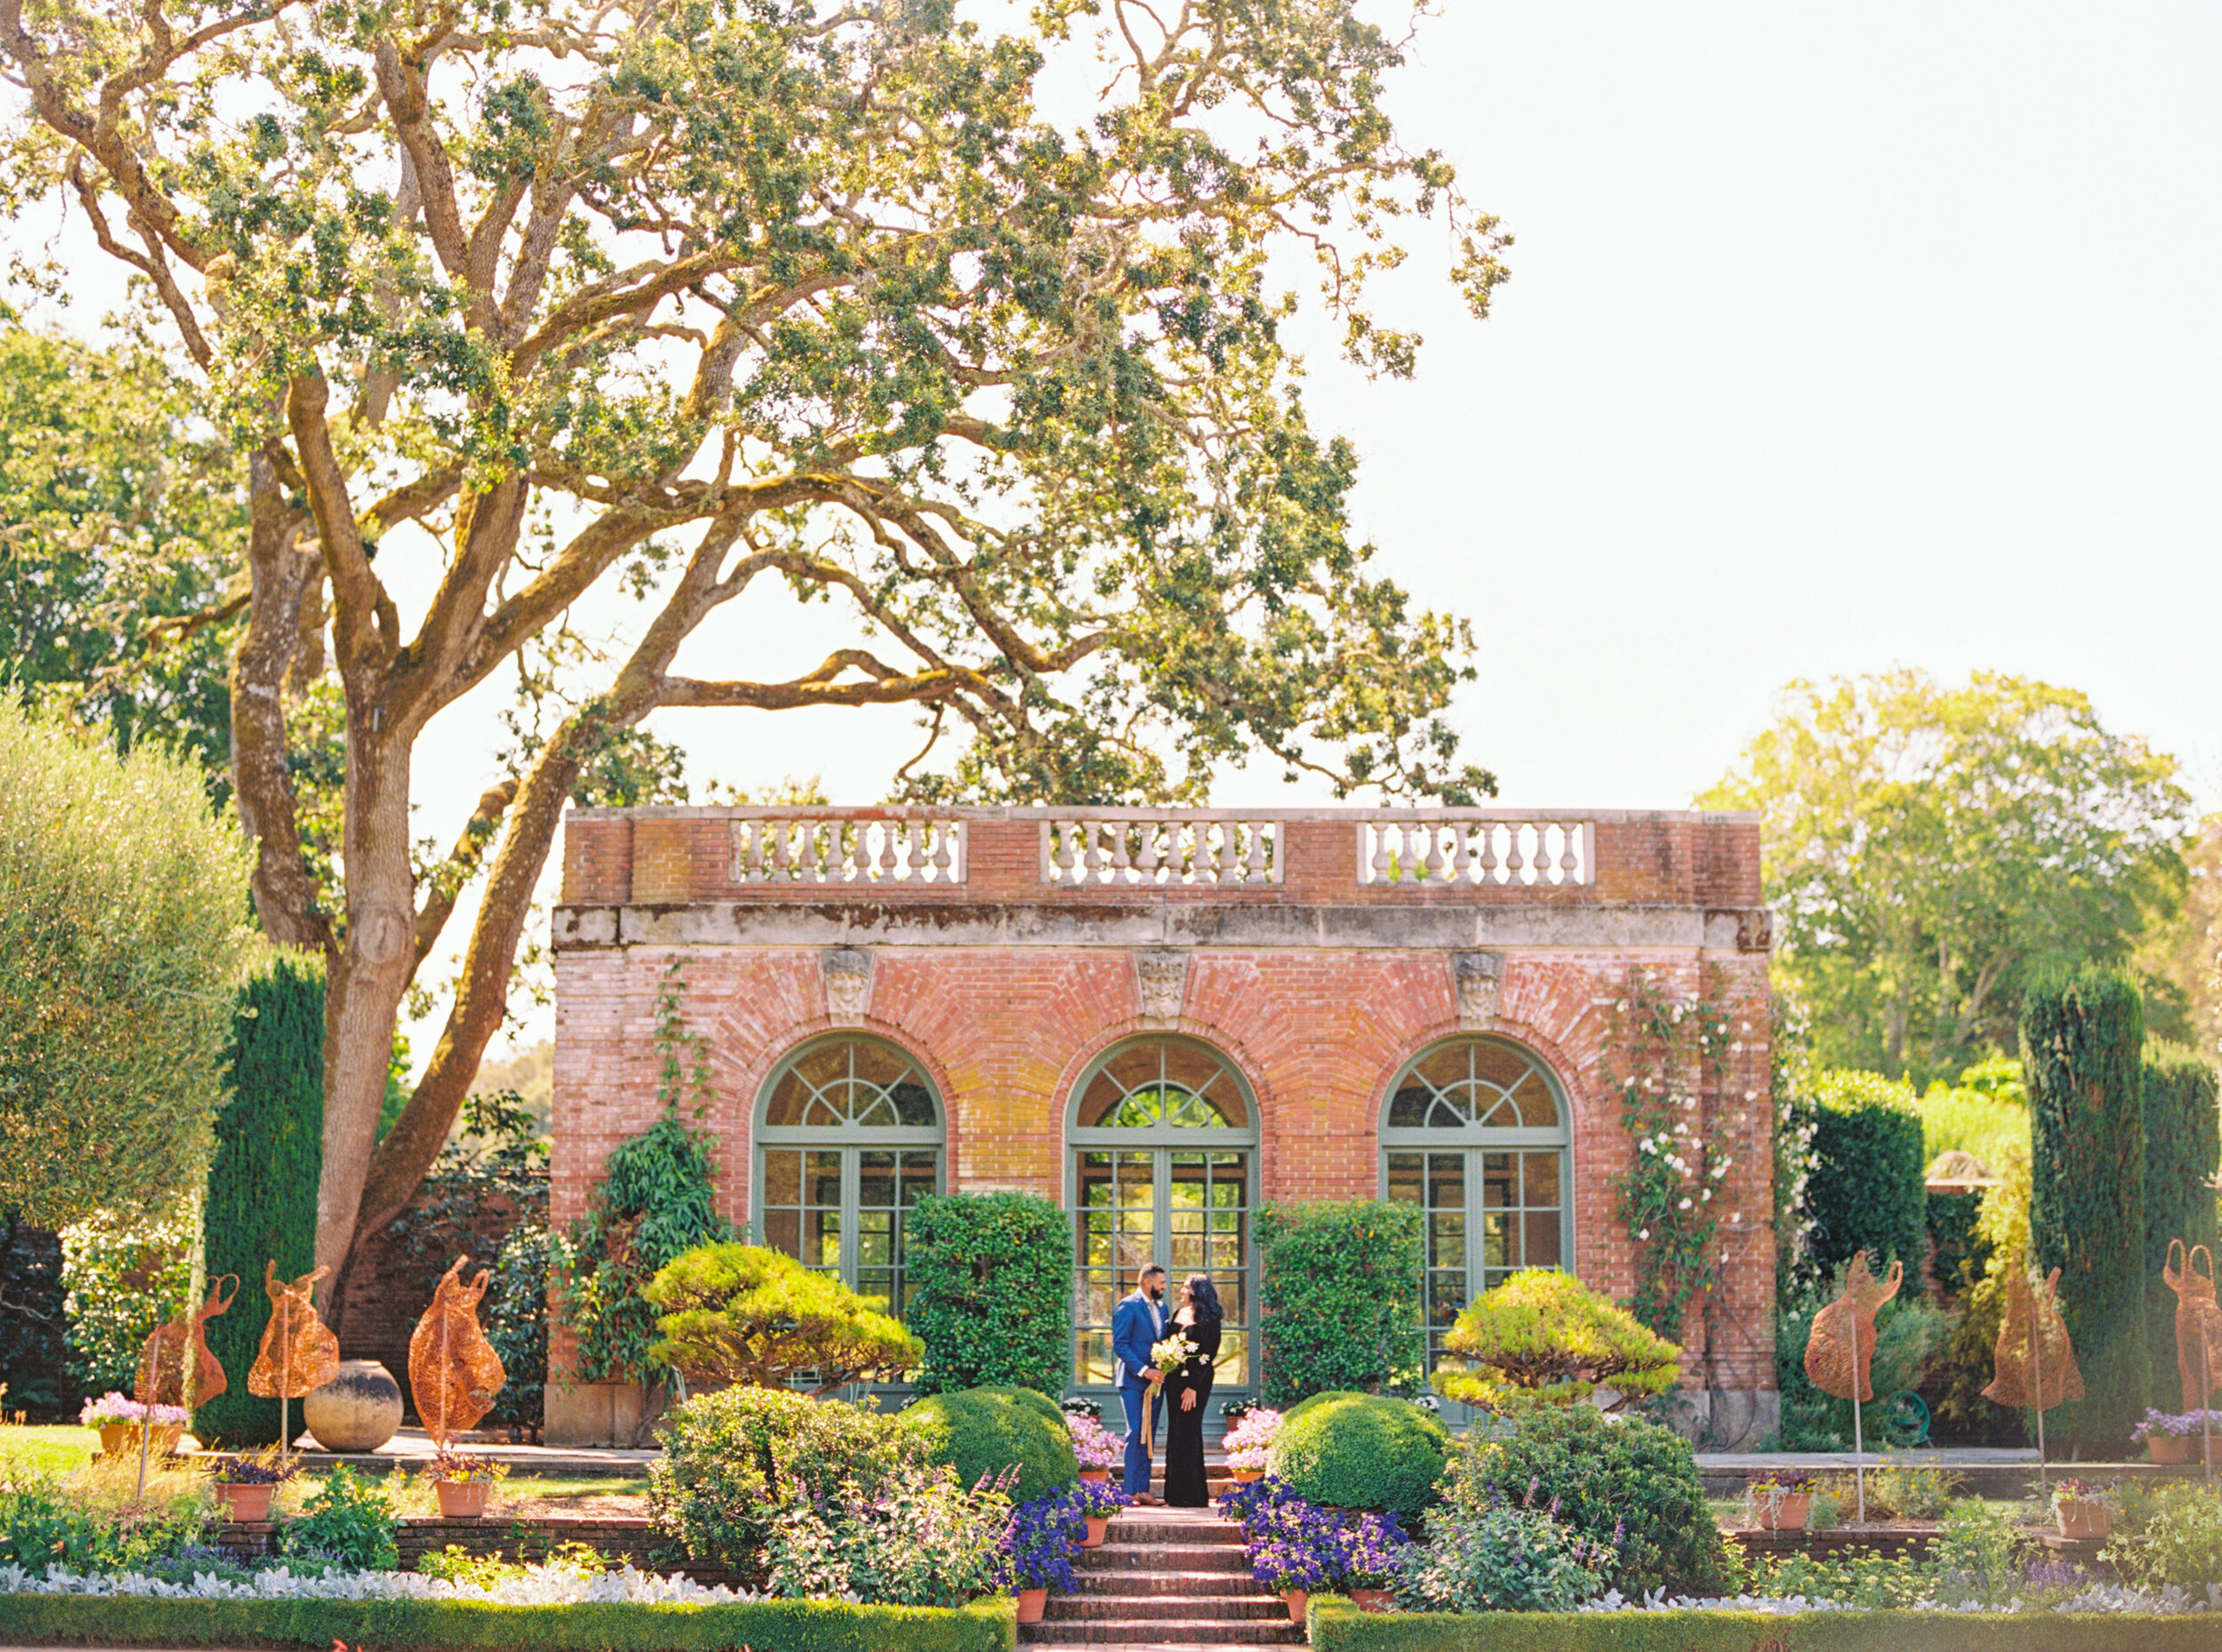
column 1133, row 1331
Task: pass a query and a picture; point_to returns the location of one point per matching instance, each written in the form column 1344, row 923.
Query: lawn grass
column 60, row 1448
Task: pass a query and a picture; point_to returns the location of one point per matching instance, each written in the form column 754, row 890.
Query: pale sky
column 1838, row 338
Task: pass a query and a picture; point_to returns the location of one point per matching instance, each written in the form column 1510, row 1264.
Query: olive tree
column 123, row 935
column 595, row 301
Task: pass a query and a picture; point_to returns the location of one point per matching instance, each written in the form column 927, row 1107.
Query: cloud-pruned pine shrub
column 1338, row 1296
column 2082, row 1039
column 991, row 1278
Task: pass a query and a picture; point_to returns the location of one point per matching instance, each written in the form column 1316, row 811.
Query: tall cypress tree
column 2082, row 1039
column 262, row 1187
column 2183, row 1150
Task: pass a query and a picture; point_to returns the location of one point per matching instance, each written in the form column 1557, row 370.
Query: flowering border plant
column 1093, row 1445
column 460, row 1468
column 1043, row 1539
column 2105, row 1493
column 1247, row 1443
column 269, row 1467
column 2176, row 1426
column 1100, row 1499
column 112, row 1409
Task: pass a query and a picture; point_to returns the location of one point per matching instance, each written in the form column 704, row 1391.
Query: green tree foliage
column 1359, row 1451
column 2083, row 1037
column 991, row 1278
column 601, row 306
column 121, row 941
column 1867, row 1191
column 2183, row 1151
column 1544, row 1332
column 2001, row 1232
column 1927, row 848
column 983, row 1433
column 1338, row 1295
column 262, row 1188
column 740, row 1313
column 119, row 517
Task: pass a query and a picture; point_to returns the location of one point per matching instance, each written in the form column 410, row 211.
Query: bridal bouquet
column 1170, row 1354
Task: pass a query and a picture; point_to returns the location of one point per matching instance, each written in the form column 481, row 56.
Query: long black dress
column 1185, row 1487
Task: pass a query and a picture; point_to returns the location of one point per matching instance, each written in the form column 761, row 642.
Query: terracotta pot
column 1098, row 1530
column 357, row 1410
column 2083, row 1522
column 1790, row 1514
column 1373, row 1599
column 1245, row 1476
column 2168, row 1448
column 462, row 1499
column 245, row 1504
column 121, row 1440
column 1295, row 1599
column 1101, row 1476
column 1031, row 1602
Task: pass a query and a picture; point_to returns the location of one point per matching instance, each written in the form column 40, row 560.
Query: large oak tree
column 677, row 296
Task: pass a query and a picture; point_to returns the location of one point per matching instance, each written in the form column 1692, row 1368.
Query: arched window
column 1476, row 1132
column 848, row 1135
column 1164, row 1136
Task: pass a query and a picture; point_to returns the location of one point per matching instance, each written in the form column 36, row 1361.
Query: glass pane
column 921, row 1174
column 783, row 1231
column 1543, row 1236
column 1094, row 1365
column 1494, row 1253
column 785, row 1103
column 782, row 1178
column 1540, row 1190
column 1408, row 1108
column 1403, row 1177
column 845, row 1081
column 1498, row 1185
column 1446, row 1180
column 821, row 1239
column 821, row 1173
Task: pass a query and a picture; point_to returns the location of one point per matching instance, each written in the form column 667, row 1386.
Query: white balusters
column 1452, row 846
column 873, row 849
column 1137, row 847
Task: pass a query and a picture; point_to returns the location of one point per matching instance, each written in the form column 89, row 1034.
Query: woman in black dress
column 1187, row 1391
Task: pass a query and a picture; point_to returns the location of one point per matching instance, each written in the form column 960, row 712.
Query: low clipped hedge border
column 586, row 1626
column 1335, row 1625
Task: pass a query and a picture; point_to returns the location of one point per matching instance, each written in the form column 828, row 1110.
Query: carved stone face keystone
column 1479, row 976
column 1160, row 981
column 1755, row 930
column 848, row 975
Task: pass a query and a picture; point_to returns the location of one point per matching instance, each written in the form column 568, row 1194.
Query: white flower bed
column 541, row 1585
column 2095, row 1598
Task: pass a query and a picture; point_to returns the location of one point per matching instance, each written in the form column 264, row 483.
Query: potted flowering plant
column 1290, row 1565
column 1043, row 1537
column 1098, row 1500
column 1371, row 1559
column 1247, row 1442
column 463, row 1483
column 1782, row 1499
column 1097, row 1449
column 120, row 1419
column 2171, row 1438
column 245, row 1484
column 2085, row 1509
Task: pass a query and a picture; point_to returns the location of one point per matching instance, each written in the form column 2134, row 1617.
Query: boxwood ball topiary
column 1359, row 1451
column 983, row 1431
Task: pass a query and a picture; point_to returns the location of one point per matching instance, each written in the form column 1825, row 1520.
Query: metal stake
column 2037, row 1369
column 1858, row 1442
column 2206, row 1399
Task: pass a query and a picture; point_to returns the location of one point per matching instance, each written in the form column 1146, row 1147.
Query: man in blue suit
column 1137, row 1325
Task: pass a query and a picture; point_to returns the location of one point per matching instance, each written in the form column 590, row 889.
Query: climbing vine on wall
column 656, row 1199
column 1675, row 1062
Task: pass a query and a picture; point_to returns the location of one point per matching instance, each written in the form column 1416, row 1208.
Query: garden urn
column 245, row 1504
column 357, row 1410
column 462, row 1499
column 1032, row 1604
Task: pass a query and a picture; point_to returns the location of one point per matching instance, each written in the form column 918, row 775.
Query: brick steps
column 1168, row 1578
column 1140, row 1578
column 1197, row 1608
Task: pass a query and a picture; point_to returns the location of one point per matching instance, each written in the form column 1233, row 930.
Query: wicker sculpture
column 2035, row 1363
column 181, row 1347
column 453, row 1371
column 299, row 1352
column 1840, row 1353
column 2198, row 1324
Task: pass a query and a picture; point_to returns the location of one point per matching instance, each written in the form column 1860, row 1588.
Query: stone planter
column 462, row 1499
column 357, row 1410
column 1032, row 1602
column 1101, row 1476
column 121, row 1440
column 1296, row 1599
column 245, row 1504
column 1373, row 1599
column 1788, row 1513
column 2084, row 1523
column 1098, row 1530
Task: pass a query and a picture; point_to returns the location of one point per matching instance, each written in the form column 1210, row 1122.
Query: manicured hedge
column 992, row 1290
column 762, row 1626
column 1338, row 1295
column 1867, row 1191
column 1335, row 1625
column 986, row 1431
column 2183, row 1149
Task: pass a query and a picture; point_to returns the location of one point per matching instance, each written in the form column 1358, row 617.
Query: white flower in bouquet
column 1170, row 1354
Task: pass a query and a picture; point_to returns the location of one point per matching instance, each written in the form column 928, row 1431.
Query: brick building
column 1163, row 1019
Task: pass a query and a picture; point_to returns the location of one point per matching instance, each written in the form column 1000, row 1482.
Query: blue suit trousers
column 1140, row 1400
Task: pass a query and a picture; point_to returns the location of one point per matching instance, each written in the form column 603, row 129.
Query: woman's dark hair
column 1204, row 1296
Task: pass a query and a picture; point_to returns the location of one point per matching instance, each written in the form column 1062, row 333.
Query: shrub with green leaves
column 262, row 1187
column 1499, row 1559
column 1603, row 1475
column 2183, row 1150
column 2180, row 1546
column 1359, row 1451
column 734, row 1459
column 1868, row 1190
column 991, row 1278
column 516, row 1320
column 2083, row 1038
column 919, row 1538
column 1338, row 1296
column 980, row 1433
column 349, row 1521
column 1543, row 1331
column 122, row 1279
